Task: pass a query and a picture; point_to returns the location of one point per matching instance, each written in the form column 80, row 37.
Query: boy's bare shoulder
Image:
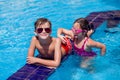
column 54, row 39
column 34, row 38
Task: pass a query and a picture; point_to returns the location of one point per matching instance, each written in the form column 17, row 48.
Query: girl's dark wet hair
column 41, row 21
column 84, row 24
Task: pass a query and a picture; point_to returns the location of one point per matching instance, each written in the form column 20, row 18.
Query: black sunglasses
column 47, row 30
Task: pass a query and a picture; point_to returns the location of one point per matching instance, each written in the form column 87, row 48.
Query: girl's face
column 43, row 31
column 76, row 28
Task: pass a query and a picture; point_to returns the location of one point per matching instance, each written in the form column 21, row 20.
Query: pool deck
column 35, row 72
column 31, row 72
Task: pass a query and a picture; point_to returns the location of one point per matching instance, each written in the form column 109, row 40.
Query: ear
column 50, row 32
column 35, row 33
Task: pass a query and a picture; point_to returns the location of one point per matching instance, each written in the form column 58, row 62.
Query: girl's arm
column 98, row 45
column 90, row 32
column 65, row 32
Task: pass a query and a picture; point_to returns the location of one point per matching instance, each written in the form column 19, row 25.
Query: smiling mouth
column 43, row 34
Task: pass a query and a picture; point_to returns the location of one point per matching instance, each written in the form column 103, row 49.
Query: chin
column 44, row 37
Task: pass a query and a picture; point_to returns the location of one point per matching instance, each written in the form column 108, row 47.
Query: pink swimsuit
column 82, row 52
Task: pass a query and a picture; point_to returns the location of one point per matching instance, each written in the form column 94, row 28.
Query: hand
column 31, row 60
column 89, row 33
column 62, row 38
column 102, row 54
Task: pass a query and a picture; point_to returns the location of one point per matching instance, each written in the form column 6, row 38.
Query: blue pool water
column 105, row 67
column 17, row 27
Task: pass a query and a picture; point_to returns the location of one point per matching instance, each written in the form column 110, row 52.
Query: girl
column 83, row 44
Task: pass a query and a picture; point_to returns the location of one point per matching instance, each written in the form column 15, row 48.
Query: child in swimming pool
column 49, row 48
column 83, row 44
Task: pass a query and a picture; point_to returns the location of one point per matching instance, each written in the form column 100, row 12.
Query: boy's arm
column 57, row 56
column 31, row 48
column 98, row 45
column 51, row 63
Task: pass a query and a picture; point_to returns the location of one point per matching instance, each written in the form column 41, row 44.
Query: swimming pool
column 16, row 29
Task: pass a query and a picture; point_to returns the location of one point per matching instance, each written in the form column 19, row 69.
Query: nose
column 43, row 30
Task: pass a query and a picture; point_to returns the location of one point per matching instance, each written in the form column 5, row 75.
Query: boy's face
column 43, row 31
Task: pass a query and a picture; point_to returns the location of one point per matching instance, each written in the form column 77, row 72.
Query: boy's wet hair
column 84, row 24
column 41, row 21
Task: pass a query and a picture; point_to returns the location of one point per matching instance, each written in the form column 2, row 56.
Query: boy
column 49, row 48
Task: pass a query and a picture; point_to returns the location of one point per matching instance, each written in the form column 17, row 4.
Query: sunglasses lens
column 39, row 30
column 48, row 30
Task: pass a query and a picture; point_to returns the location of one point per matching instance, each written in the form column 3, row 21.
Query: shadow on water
column 115, row 56
column 113, row 23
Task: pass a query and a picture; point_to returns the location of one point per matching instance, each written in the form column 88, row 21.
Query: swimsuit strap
column 84, row 43
column 72, row 46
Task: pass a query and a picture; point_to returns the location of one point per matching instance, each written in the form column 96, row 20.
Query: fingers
column 63, row 40
column 29, row 60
